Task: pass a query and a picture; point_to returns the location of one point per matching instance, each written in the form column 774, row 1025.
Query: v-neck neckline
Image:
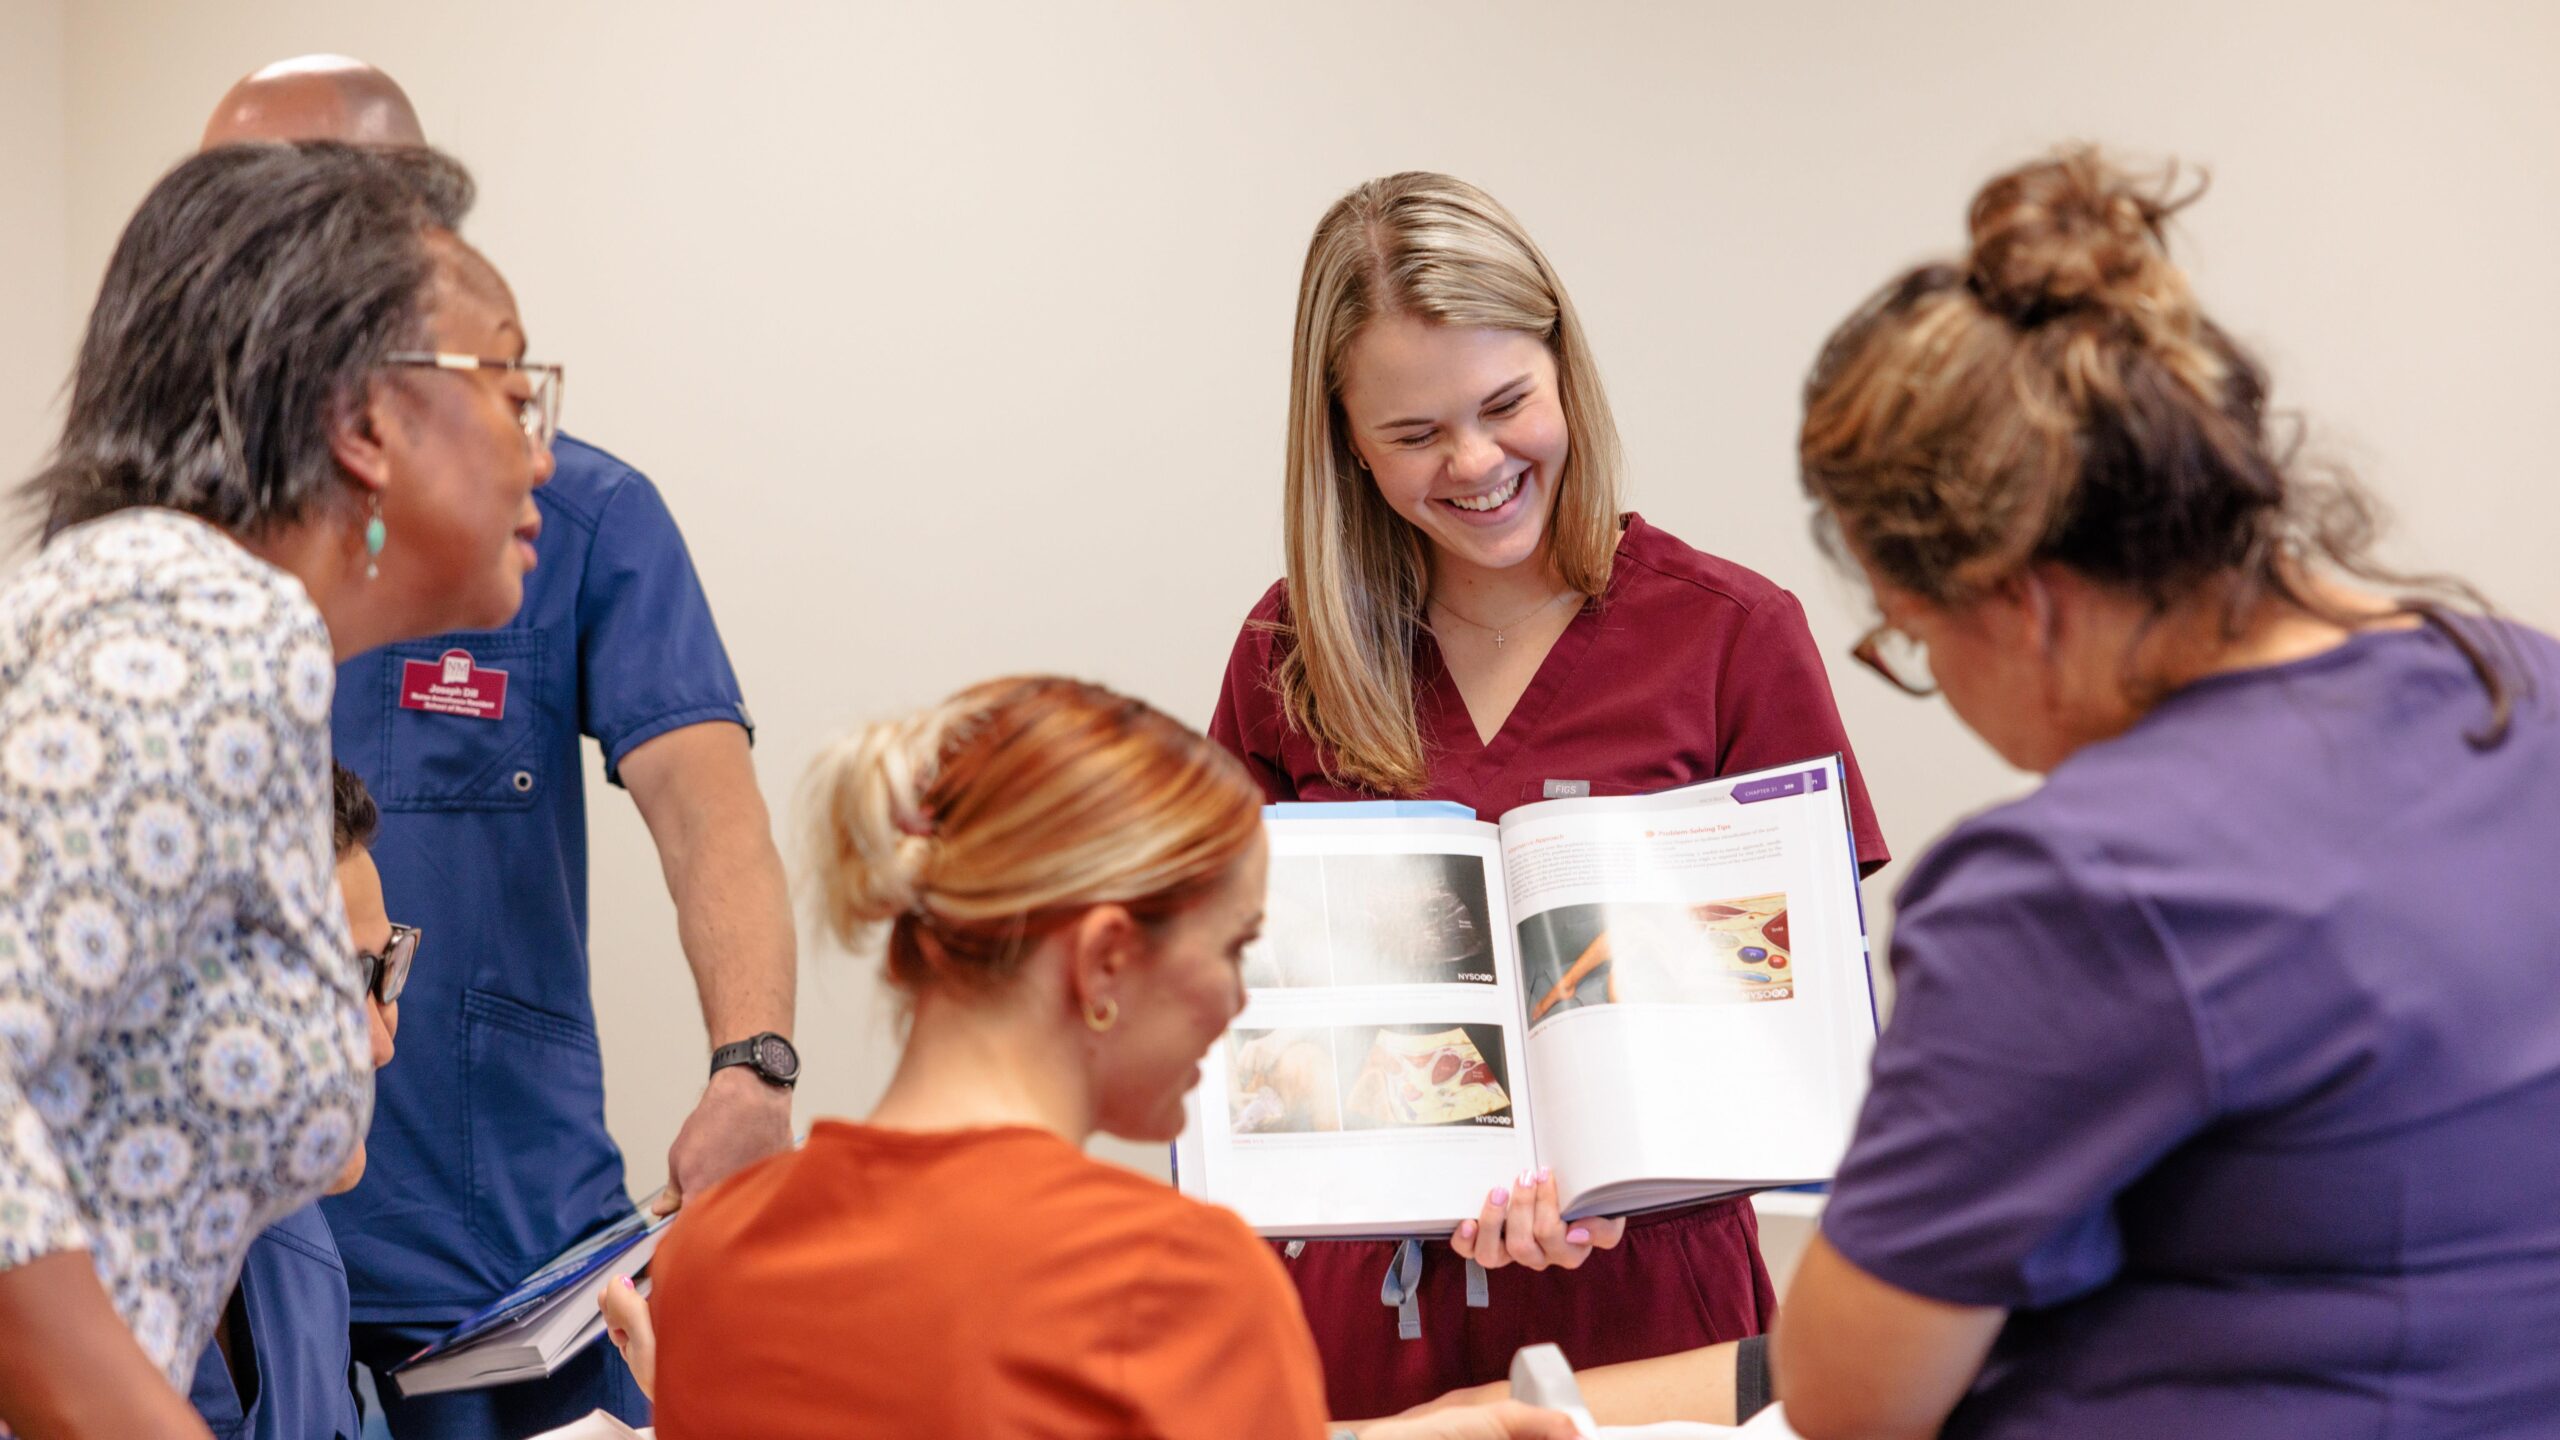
column 1453, row 730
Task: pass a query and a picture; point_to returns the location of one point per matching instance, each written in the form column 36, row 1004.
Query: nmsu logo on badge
column 453, row 685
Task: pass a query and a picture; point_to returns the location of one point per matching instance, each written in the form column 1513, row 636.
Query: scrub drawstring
column 1401, row 1290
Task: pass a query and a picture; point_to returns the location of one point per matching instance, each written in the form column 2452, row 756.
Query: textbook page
column 1694, row 971
column 1373, row 1084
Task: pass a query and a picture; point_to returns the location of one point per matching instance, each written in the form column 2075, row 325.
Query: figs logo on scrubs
column 453, row 685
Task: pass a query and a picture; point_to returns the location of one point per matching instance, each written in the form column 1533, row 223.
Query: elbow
column 1818, row 1418
column 1830, row 1397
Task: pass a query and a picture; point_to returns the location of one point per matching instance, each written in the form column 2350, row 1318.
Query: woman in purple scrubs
column 2220, row 1094
column 1469, row 616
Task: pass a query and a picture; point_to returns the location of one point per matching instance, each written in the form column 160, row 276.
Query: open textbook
column 528, row 1332
column 1664, row 997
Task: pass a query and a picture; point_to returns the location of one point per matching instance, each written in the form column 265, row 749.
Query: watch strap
column 744, row 1052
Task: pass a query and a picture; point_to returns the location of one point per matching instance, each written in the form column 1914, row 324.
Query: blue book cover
column 564, row 1271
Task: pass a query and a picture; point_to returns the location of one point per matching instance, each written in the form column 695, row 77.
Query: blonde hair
column 1440, row 250
column 2058, row 395
column 974, row 827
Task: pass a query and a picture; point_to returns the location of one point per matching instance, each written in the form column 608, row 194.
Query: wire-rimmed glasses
column 1900, row 659
column 538, row 414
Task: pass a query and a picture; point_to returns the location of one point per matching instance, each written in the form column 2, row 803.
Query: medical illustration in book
column 1716, row 952
column 1409, row 1075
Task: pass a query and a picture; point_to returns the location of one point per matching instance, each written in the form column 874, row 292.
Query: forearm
column 1860, row 1359
column 733, row 918
column 70, row 1370
column 1688, row 1385
column 696, row 788
column 1691, row 1385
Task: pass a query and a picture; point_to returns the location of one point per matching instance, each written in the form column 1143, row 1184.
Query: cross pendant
column 1497, row 640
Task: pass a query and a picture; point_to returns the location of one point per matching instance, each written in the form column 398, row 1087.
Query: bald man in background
column 489, row 1149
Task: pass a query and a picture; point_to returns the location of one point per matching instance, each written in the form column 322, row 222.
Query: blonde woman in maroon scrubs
column 1468, row 616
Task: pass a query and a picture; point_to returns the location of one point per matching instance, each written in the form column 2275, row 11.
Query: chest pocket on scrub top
column 461, row 722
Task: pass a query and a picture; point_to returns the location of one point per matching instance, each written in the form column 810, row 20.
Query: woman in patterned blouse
column 301, row 426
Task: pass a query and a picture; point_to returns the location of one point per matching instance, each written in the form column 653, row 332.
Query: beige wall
column 956, row 333
column 35, row 311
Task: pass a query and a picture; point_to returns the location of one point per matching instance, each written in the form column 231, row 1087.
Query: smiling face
column 1463, row 432
column 1176, row 1002
column 458, row 472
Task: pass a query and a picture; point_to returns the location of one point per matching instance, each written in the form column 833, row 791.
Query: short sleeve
column 1217, row 1344
column 2042, row 1057
column 649, row 657
column 1247, row 721
column 1774, row 705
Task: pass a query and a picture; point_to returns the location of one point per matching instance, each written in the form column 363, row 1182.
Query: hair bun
column 868, row 820
column 2073, row 235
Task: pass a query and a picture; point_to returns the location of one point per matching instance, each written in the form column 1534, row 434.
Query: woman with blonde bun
column 1468, row 615
column 1067, row 880
column 2219, row 1094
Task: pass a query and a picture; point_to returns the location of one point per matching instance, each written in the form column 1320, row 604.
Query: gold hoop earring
column 1099, row 1018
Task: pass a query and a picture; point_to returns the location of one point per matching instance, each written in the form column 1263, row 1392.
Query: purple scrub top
column 2229, row 1063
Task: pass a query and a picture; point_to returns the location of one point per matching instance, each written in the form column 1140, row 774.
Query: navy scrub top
column 293, row 1291
column 489, row 1151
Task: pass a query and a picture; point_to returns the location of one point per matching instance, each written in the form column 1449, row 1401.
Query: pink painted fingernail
column 1467, row 1231
column 1499, row 1196
column 1546, row 1173
column 1528, row 1179
column 1578, row 1235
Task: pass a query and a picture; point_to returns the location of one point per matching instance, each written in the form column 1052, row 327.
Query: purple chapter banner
column 1803, row 782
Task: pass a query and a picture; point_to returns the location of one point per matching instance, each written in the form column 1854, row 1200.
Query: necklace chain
column 1499, row 638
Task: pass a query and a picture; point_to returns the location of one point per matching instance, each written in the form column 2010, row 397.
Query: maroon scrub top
column 1689, row 667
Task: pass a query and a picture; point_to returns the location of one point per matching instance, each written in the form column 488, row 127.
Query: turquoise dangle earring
column 376, row 535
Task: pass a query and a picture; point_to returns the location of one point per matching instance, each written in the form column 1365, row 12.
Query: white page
column 1291, row 1125
column 1745, row 1057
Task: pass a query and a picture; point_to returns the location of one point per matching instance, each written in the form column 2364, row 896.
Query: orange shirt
column 972, row 1283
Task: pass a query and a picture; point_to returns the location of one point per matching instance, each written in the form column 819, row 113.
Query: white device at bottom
column 1541, row 1376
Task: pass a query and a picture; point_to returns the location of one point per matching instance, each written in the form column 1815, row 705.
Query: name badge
column 453, row 686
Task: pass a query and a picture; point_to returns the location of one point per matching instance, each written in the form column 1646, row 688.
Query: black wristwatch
column 768, row 1054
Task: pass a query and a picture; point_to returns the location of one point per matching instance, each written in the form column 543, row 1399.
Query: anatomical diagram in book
column 1713, row 953
column 1410, row 1075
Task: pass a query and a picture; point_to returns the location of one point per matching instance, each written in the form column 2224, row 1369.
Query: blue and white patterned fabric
column 183, row 1054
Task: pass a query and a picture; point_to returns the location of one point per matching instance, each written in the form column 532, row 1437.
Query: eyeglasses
column 387, row 974
column 539, row 414
column 1900, row 659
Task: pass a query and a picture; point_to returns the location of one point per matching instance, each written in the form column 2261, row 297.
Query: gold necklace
column 1499, row 639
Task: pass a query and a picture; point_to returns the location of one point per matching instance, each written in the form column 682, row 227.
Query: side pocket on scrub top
column 532, row 1080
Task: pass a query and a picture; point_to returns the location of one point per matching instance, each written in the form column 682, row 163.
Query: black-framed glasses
column 1900, row 659
column 387, row 974
column 539, row 414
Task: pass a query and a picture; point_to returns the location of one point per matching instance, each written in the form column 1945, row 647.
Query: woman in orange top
column 1068, row 879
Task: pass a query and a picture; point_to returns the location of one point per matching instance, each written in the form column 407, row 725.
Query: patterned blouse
column 183, row 1053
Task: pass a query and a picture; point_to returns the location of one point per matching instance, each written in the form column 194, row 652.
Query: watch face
column 775, row 1057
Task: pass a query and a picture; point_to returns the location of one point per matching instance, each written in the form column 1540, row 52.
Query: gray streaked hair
column 247, row 304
